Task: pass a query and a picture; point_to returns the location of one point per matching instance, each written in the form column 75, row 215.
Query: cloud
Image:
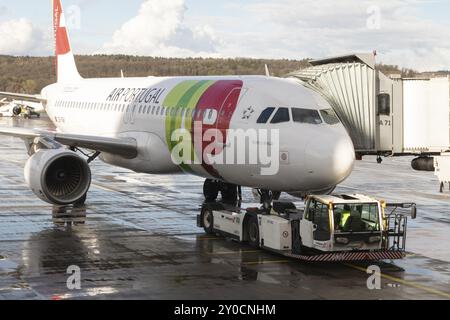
column 159, row 30
column 3, row 10
column 21, row 37
column 310, row 28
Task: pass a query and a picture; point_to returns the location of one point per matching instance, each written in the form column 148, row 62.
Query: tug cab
column 342, row 223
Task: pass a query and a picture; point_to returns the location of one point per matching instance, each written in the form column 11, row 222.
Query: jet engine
column 17, row 111
column 423, row 164
column 58, row 176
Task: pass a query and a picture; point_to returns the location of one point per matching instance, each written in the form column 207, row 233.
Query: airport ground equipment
column 329, row 228
column 441, row 165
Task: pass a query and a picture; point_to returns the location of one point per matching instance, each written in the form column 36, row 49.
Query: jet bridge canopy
column 348, row 83
column 383, row 115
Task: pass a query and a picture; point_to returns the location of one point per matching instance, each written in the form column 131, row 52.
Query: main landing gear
column 231, row 193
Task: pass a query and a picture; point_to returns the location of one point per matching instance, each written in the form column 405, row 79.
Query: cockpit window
column 306, row 116
column 329, row 116
column 281, row 116
column 265, row 115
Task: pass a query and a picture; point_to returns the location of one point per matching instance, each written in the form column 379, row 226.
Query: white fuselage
column 313, row 156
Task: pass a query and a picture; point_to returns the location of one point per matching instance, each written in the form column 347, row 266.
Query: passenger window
column 210, row 117
column 281, row 116
column 329, row 116
column 384, row 104
column 265, row 115
column 306, row 116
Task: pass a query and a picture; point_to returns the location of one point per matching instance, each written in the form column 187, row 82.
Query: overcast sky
column 409, row 33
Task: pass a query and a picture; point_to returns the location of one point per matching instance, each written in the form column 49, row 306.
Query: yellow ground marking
column 206, row 238
column 266, row 262
column 234, row 252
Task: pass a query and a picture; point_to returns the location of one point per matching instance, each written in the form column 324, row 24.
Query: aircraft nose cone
column 343, row 158
column 331, row 158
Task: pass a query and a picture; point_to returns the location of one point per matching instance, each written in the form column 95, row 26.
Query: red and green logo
column 191, row 102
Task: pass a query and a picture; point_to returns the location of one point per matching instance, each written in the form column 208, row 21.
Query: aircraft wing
column 19, row 96
column 126, row 147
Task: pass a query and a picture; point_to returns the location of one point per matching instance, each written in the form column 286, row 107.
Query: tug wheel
column 208, row 221
column 253, row 232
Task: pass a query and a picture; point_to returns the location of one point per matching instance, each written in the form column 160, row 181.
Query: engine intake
column 17, row 111
column 58, row 176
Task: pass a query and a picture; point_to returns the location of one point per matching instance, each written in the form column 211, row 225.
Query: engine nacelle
column 17, row 111
column 423, row 164
column 58, row 176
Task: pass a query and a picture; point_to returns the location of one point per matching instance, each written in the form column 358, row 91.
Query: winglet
column 66, row 69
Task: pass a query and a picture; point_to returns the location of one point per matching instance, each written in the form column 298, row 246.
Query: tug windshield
column 356, row 218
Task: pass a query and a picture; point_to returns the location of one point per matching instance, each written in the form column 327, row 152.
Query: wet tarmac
column 137, row 239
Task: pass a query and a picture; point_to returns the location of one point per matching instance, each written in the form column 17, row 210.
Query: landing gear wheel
column 210, row 190
column 208, row 221
column 253, row 232
column 229, row 193
column 379, row 160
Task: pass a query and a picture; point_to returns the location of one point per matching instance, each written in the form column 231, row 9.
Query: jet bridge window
column 281, row 116
column 306, row 116
column 384, row 104
column 265, row 115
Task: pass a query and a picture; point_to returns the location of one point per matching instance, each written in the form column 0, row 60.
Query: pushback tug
column 329, row 228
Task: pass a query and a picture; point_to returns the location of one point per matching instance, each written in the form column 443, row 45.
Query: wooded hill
column 31, row 74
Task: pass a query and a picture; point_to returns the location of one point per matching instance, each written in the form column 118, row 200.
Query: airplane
column 17, row 108
column 130, row 123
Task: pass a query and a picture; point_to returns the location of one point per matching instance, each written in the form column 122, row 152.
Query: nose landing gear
column 232, row 194
column 267, row 197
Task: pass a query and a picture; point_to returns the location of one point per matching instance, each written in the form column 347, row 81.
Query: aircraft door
column 307, row 227
column 315, row 226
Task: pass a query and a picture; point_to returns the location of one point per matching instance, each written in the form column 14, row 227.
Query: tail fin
column 66, row 69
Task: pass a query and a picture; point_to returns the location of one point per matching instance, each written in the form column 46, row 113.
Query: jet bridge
column 388, row 116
